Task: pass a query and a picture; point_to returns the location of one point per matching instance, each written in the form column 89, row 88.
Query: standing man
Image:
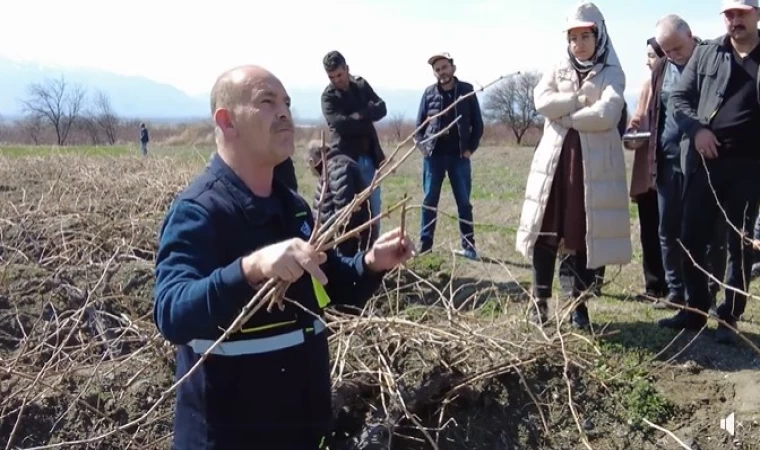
column 233, row 228
column 144, row 139
column 350, row 107
column 674, row 37
column 717, row 106
column 450, row 153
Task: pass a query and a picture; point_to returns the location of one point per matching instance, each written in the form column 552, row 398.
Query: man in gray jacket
column 718, row 108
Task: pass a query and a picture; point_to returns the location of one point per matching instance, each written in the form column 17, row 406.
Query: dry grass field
column 442, row 355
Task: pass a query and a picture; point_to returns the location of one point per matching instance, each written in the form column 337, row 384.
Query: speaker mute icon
column 728, row 424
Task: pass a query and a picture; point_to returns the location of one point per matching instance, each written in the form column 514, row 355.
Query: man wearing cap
column 448, row 154
column 717, row 107
column 350, row 106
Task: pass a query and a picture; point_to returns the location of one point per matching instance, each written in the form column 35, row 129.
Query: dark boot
column 579, row 318
column 725, row 335
column 539, row 312
column 684, row 320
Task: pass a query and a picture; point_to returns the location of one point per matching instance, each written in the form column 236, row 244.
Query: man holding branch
column 232, row 229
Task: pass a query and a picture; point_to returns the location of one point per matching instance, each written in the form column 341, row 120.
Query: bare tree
column 397, row 122
column 32, row 126
column 58, row 103
column 105, row 116
column 88, row 123
column 511, row 104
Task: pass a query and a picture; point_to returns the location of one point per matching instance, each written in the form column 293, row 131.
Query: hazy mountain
column 142, row 98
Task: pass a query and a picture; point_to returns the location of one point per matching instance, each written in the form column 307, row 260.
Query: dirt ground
column 442, row 354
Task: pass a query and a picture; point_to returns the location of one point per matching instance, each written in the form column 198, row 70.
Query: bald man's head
column 251, row 110
column 674, row 37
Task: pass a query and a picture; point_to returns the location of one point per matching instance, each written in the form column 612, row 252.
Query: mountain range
column 145, row 99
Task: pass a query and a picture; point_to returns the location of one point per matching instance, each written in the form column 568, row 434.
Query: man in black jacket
column 717, row 107
column 450, row 153
column 350, row 106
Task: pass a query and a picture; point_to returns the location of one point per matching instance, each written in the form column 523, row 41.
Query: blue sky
column 188, row 43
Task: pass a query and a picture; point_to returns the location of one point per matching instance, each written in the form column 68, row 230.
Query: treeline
column 59, row 112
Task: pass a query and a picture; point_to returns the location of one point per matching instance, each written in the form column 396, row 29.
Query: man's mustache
column 738, row 27
column 285, row 126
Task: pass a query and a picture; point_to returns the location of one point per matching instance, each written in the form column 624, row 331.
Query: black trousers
column 738, row 193
column 649, row 224
column 575, row 278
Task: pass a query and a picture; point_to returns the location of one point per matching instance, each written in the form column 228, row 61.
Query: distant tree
column 105, row 116
column 56, row 102
column 511, row 104
column 397, row 122
column 32, row 126
column 88, row 123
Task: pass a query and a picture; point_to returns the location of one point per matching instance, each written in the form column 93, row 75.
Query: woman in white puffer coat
column 576, row 198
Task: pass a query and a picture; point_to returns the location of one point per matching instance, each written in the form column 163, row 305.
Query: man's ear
column 223, row 120
column 453, row 69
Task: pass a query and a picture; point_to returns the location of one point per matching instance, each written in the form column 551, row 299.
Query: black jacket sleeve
column 192, row 297
column 376, row 108
column 343, row 124
column 476, row 118
column 685, row 97
column 421, row 117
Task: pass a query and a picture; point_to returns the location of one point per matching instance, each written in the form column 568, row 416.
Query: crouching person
column 344, row 183
column 576, row 198
column 233, row 228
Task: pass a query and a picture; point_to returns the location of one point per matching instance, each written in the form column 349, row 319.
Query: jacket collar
column 252, row 204
column 440, row 89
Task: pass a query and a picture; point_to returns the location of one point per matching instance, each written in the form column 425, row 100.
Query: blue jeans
column 144, row 148
column 669, row 201
column 434, row 170
column 735, row 183
column 367, row 169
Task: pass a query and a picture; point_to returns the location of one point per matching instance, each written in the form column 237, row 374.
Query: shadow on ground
column 698, row 347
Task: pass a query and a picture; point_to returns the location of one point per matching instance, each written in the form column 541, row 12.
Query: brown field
column 442, row 355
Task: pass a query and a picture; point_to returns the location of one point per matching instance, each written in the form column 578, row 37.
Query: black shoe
column 579, row 318
column 539, row 312
column 671, row 298
column 725, row 335
column 684, row 320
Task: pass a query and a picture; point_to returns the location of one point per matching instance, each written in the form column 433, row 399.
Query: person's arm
column 476, row 133
column 551, row 103
column 350, row 280
column 685, row 97
column 421, row 117
column 640, row 117
column 193, row 297
column 345, row 125
column 603, row 114
column 376, row 109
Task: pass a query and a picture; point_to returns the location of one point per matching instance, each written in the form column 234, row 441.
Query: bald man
column 231, row 229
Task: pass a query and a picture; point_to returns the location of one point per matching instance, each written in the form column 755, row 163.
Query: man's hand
column 467, row 154
column 356, row 116
column 706, row 143
column 389, row 250
column 286, row 260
